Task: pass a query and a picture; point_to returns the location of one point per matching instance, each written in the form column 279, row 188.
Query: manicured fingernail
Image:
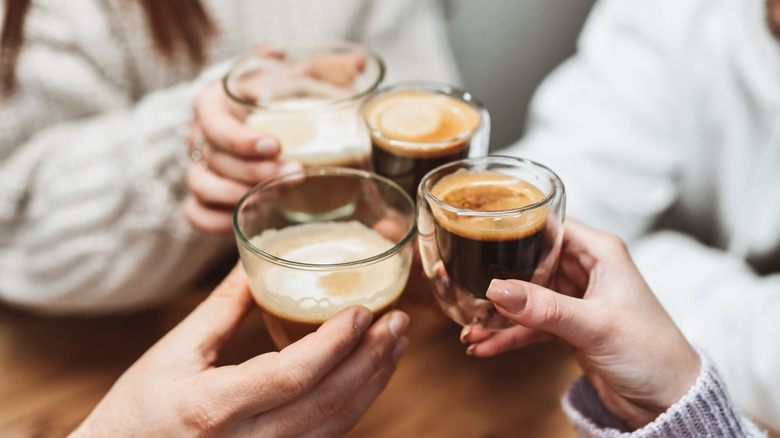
column 290, row 167
column 399, row 321
column 470, row 350
column 510, row 296
column 463, row 333
column 399, row 349
column 267, row 145
column 363, row 320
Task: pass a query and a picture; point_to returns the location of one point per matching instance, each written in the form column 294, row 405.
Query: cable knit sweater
column 92, row 155
column 705, row 410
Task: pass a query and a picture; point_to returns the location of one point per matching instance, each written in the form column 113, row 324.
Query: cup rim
column 320, row 171
column 429, row 86
column 558, row 186
column 335, row 44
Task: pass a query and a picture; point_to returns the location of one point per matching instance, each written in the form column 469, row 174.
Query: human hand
column 232, row 157
column 626, row 343
column 318, row 386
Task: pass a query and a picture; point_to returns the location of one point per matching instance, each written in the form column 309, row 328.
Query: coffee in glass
column 304, row 268
column 486, row 218
column 417, row 126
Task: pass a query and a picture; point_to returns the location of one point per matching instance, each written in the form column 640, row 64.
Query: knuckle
column 294, row 380
column 330, row 402
column 207, row 419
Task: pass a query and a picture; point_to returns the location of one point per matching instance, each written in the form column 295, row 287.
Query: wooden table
column 54, row 370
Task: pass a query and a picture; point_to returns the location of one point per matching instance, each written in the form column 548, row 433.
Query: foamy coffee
column 414, row 131
column 315, row 136
column 478, row 248
column 295, row 301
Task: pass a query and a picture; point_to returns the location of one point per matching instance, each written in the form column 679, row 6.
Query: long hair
column 173, row 24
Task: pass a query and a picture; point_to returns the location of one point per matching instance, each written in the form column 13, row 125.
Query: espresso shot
column 416, row 127
column 486, row 218
column 476, row 250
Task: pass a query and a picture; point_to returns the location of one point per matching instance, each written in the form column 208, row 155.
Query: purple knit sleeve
column 705, row 411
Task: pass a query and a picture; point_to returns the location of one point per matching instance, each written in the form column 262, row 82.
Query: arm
column 91, row 181
column 705, row 409
column 720, row 303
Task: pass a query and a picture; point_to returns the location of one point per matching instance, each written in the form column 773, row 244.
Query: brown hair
column 172, row 23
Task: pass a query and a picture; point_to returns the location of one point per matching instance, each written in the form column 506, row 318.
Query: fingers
column 340, row 424
column 274, row 379
column 485, row 343
column 210, row 188
column 206, row 330
column 209, row 219
column 539, row 308
column 358, row 378
column 247, row 171
column 222, row 123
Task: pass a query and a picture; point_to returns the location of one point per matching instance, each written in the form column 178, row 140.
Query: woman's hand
column 635, row 356
column 318, row 386
column 231, row 157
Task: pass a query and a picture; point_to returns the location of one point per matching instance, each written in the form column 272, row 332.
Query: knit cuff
column 705, row 410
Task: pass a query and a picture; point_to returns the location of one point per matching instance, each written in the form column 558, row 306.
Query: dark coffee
column 476, row 249
column 413, row 132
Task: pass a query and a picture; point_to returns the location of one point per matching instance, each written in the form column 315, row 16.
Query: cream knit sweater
column 92, row 157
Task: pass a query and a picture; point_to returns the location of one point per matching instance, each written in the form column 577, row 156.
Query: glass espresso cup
column 308, row 94
column 485, row 218
column 350, row 248
column 417, row 126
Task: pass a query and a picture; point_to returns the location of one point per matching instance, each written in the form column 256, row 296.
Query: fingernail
column 267, row 146
column 470, row 350
column 290, row 167
column 510, row 296
column 399, row 349
column 363, row 320
column 398, row 323
column 463, row 333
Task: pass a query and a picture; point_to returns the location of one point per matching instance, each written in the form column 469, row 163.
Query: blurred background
column 526, row 40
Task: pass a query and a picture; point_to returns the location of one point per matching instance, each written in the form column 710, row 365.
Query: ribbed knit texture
column 706, row 410
column 92, row 154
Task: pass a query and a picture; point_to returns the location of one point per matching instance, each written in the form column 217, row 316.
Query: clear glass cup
column 352, row 246
column 485, row 218
column 417, row 126
column 308, row 94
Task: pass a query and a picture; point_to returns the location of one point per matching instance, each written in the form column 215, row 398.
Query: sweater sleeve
column 720, row 303
column 705, row 410
column 91, row 177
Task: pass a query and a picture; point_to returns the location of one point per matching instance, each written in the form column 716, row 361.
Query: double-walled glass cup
column 351, row 246
column 308, row 94
column 485, row 218
column 418, row 126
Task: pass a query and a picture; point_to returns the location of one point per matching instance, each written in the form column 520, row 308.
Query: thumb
column 206, row 330
column 539, row 308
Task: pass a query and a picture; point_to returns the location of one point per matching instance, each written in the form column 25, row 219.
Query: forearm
column 721, row 304
column 705, row 410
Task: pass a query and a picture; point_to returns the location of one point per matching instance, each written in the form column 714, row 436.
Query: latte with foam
column 313, row 136
column 295, row 300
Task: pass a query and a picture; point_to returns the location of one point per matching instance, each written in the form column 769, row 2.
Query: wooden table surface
column 54, row 370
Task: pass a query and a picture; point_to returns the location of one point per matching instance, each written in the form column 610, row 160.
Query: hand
column 233, row 157
column 318, row 386
column 632, row 352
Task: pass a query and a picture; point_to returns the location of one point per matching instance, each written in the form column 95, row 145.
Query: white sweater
column 665, row 128
column 92, row 156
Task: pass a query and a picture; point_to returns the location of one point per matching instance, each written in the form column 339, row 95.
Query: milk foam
column 302, row 294
column 316, row 138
